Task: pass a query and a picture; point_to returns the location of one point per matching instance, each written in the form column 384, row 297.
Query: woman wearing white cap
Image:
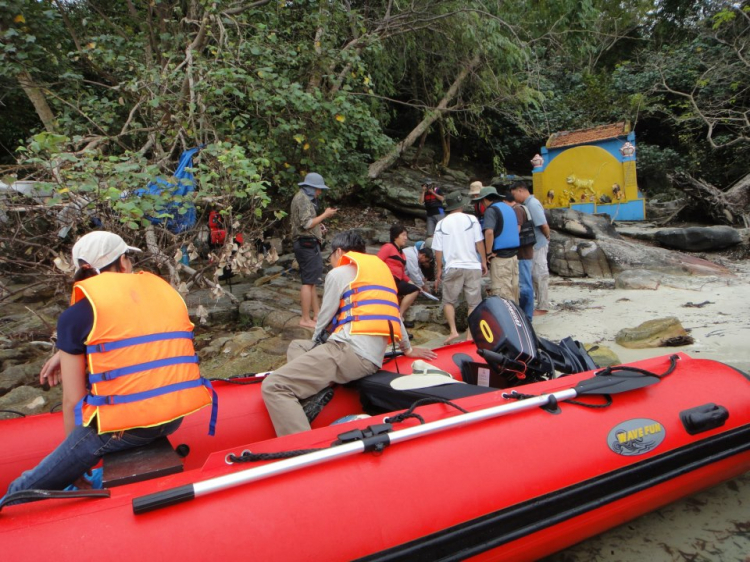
column 126, row 362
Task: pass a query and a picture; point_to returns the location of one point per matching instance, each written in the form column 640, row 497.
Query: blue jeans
column 526, row 288
column 82, row 450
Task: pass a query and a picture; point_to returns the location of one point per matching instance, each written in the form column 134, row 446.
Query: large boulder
column 398, row 189
column 608, row 257
column 573, row 257
column 581, row 225
column 699, row 238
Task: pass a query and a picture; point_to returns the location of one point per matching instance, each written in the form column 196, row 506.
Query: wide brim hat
column 423, row 375
column 313, row 180
column 454, row 201
column 99, row 249
column 474, row 188
column 488, row 192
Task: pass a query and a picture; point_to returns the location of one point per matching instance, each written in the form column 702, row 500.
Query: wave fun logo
column 636, row 437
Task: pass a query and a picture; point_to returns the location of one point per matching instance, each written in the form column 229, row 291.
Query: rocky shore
column 606, row 279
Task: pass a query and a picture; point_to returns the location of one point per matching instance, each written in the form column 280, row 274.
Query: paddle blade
column 623, row 380
column 36, row 495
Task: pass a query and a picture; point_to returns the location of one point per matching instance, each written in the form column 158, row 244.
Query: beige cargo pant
column 309, row 371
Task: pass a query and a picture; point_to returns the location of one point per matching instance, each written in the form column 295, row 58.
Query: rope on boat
column 14, row 412
column 422, row 402
column 247, row 456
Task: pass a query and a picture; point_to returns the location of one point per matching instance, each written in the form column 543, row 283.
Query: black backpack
column 527, row 235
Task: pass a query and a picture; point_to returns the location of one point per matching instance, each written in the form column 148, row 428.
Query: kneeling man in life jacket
column 126, row 362
column 361, row 307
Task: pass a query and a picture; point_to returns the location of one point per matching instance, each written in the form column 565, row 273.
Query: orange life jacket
column 370, row 303
column 142, row 367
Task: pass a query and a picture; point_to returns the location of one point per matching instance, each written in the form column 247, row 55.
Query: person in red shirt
column 393, row 255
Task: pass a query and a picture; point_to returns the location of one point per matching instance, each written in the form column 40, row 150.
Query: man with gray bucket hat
column 307, row 234
column 501, row 241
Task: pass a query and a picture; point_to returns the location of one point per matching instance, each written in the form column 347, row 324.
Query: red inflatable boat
column 481, row 474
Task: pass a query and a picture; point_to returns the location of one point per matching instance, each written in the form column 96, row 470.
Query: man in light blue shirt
column 539, row 270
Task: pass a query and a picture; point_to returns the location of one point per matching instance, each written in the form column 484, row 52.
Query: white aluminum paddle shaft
column 347, row 449
column 479, row 415
column 274, row 469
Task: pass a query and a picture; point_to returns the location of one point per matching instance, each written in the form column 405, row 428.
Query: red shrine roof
column 583, row 136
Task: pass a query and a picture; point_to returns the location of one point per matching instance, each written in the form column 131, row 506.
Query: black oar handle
column 166, row 498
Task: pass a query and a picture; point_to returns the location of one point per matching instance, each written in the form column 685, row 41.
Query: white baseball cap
column 99, row 249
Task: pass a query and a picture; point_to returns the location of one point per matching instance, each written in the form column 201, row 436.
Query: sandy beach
column 714, row 524
column 593, row 311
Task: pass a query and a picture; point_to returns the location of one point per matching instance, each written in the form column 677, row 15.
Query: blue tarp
column 182, row 184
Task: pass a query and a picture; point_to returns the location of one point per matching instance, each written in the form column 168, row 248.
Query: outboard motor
column 505, row 339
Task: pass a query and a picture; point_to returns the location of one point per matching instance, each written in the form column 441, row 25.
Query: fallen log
column 731, row 207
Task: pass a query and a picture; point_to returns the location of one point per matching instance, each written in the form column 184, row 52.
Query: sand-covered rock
column 659, row 332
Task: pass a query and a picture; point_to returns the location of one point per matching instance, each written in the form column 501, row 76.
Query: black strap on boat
column 422, row 402
column 25, row 496
column 375, row 438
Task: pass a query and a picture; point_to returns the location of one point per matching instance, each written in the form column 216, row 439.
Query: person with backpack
column 540, row 269
column 527, row 239
column 501, row 227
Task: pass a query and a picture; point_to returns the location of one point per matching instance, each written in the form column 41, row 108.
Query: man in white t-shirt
column 459, row 239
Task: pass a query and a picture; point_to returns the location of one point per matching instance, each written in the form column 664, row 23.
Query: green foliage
column 282, row 89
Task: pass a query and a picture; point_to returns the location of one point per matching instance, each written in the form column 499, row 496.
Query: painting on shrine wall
column 590, row 170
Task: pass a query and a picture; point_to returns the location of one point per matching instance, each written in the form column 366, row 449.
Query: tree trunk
column 422, row 140
column 725, row 207
column 316, row 77
column 379, row 166
column 445, row 140
column 36, row 95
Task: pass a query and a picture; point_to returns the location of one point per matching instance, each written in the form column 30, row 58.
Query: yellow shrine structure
column 592, row 171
